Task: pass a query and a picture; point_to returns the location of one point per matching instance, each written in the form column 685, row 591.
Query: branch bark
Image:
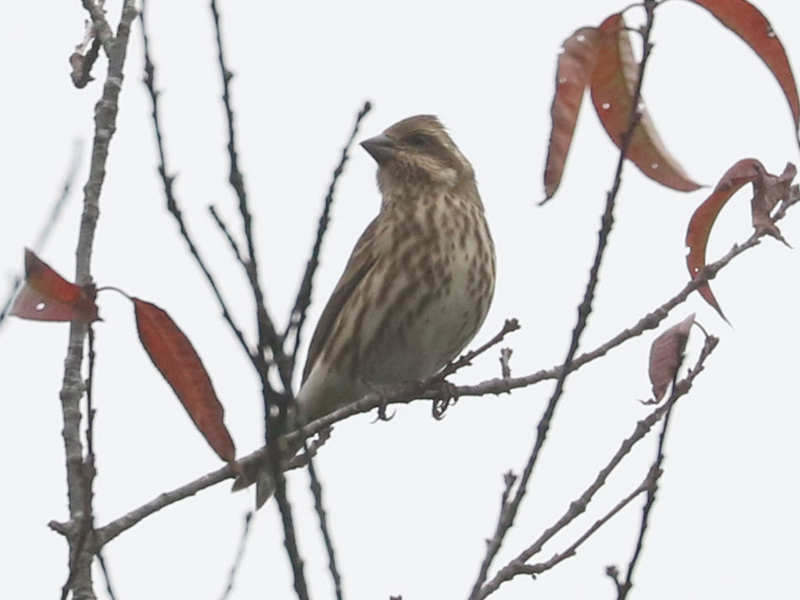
column 72, row 388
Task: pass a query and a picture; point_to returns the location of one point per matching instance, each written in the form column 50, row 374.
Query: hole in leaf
column 654, row 166
column 40, row 306
column 581, row 37
column 606, row 105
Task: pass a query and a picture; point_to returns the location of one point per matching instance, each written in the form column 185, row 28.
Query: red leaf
column 746, row 21
column 666, row 355
column 173, row 354
column 613, row 88
column 46, row 296
column 575, row 65
column 740, row 174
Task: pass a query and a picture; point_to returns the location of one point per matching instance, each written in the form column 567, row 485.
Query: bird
column 420, row 279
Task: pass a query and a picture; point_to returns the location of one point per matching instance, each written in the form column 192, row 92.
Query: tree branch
column 432, row 390
column 297, row 317
column 72, row 387
column 518, row 565
column 171, row 201
column 509, row 511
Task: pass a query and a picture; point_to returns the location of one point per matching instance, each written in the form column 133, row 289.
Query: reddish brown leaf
column 702, row 220
column 666, row 355
column 173, row 354
column 746, row 21
column 46, row 296
column 613, row 87
column 575, row 66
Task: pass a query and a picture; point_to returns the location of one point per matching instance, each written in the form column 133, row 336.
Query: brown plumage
column 419, row 281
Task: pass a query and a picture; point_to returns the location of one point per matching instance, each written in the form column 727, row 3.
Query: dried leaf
column 747, row 22
column 666, row 355
column 46, row 296
column 613, row 87
column 174, row 356
column 575, row 65
column 768, row 190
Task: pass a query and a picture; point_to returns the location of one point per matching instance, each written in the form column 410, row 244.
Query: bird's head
column 418, row 151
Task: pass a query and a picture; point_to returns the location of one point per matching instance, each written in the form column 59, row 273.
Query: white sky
column 410, row 501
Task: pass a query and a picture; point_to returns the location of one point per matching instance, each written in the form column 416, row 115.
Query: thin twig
column 72, row 386
column 237, row 561
column 299, row 312
column 648, row 507
column 517, row 566
column 267, row 336
column 509, row 512
column 52, row 218
column 539, row 568
column 226, row 232
column 319, row 507
column 509, row 326
column 106, row 575
column 285, row 510
column 171, row 202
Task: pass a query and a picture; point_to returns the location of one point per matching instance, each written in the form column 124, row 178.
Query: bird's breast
column 432, row 288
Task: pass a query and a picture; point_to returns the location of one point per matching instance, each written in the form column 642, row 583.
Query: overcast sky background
column 410, row 501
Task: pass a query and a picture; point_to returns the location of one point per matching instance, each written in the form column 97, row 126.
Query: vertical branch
column 297, row 317
column 509, row 510
column 655, row 468
column 316, row 490
column 167, row 180
column 276, row 404
column 267, row 336
column 237, row 561
column 72, row 385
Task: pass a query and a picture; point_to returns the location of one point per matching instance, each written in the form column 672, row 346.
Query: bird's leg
column 448, row 395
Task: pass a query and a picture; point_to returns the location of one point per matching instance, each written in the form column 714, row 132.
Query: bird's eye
column 417, row 140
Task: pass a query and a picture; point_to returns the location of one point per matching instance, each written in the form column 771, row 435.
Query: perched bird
column 418, row 283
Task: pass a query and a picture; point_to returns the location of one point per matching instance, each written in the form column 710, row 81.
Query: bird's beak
column 381, row 147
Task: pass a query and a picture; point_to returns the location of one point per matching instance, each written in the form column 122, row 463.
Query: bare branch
column 656, row 467
column 431, row 390
column 298, row 315
column 509, row 326
column 267, row 336
column 508, row 514
column 72, row 386
column 316, row 490
column 518, row 565
column 248, row 521
column 172, row 203
column 226, row 232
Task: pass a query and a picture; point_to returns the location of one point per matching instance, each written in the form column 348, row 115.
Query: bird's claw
column 448, row 395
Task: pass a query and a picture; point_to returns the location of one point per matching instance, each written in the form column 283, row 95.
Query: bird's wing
column 361, row 261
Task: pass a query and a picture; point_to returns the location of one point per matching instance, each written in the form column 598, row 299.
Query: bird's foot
column 448, row 396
